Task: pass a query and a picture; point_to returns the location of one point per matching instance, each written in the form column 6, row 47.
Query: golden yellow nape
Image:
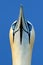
column 21, row 37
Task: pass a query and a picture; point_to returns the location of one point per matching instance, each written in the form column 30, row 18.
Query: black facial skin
column 29, row 37
column 13, row 35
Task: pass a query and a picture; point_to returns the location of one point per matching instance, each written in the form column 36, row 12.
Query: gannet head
column 22, row 37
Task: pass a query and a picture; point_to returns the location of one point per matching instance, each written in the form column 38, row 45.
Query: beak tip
column 21, row 6
column 21, row 10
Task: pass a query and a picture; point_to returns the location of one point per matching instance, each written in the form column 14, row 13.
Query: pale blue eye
column 29, row 26
column 13, row 26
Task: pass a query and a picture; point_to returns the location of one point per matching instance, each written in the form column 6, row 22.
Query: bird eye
column 13, row 25
column 29, row 26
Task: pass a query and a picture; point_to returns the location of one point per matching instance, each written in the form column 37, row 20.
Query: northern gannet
column 21, row 37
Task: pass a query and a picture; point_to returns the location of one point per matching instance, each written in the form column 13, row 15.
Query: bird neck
column 21, row 56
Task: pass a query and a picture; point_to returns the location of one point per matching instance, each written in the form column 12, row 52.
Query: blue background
column 9, row 11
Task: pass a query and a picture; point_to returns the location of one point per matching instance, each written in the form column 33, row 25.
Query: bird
column 21, row 36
